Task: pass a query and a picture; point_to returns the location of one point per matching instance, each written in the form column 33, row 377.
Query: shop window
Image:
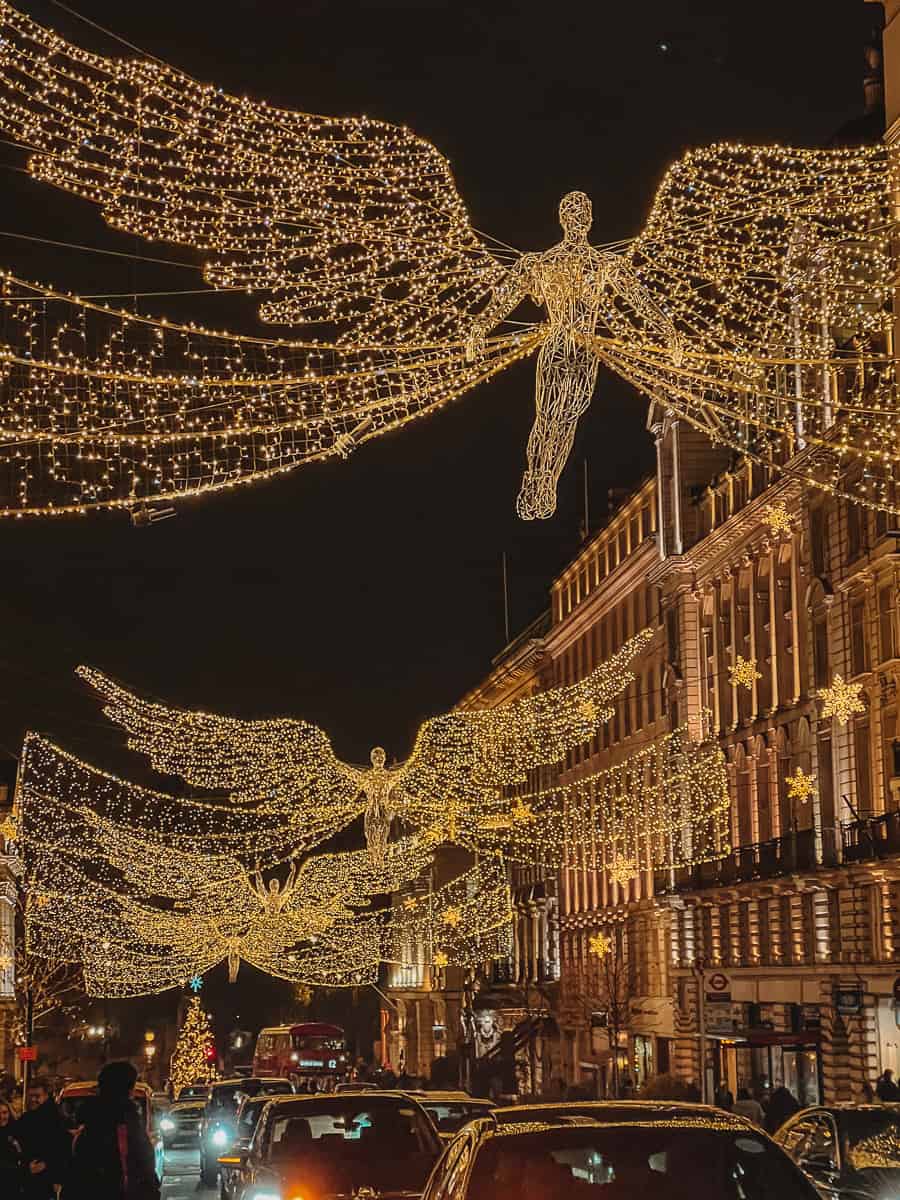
column 858, row 646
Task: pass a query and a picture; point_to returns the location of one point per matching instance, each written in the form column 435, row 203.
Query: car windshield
column 873, row 1138
column 225, row 1098
column 317, row 1044
column 451, row 1115
column 71, row 1107
column 346, row 1143
column 681, row 1161
column 249, row 1119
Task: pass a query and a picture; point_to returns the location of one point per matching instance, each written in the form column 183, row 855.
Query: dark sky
column 366, row 596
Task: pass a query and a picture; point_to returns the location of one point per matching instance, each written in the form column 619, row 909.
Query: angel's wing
column 775, row 266
column 349, row 222
column 264, row 762
column 465, row 758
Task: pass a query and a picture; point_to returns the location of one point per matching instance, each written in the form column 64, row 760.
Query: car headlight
column 219, row 1137
column 264, row 1195
column 167, row 1124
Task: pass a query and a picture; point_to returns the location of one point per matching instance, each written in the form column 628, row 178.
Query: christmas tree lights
column 193, row 1059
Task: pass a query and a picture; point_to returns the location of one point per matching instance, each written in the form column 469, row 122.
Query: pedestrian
column 885, row 1088
column 782, row 1104
column 10, row 1155
column 746, row 1106
column 113, row 1158
column 45, row 1143
column 724, row 1097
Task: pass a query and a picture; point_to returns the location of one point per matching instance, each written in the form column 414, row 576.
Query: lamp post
column 699, row 974
column 149, row 1054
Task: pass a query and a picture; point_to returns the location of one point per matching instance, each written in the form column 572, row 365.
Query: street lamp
column 149, row 1052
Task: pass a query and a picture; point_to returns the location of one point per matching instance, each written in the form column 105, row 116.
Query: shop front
column 761, row 1060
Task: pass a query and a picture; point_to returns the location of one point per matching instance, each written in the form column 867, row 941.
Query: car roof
column 585, row 1107
column 700, row 1121
column 241, row 1079
column 461, row 1097
column 320, row 1097
column 88, row 1087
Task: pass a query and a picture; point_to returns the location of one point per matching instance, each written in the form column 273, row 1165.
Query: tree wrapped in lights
column 194, row 1057
column 753, row 304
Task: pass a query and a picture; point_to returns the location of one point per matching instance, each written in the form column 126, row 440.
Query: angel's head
column 575, row 214
column 378, row 758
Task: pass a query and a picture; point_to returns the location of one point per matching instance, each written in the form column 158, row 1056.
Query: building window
column 887, row 623
column 672, row 634
column 817, row 533
column 820, row 652
column 651, row 696
column 858, row 645
column 863, row 768
column 856, row 531
column 626, row 712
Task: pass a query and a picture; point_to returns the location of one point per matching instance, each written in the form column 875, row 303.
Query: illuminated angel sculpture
column 353, row 236
column 300, row 792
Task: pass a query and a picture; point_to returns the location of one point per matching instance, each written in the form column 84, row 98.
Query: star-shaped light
column 801, row 786
column 441, row 959
column 521, row 812
column 623, row 870
column 588, row 710
column 841, row 700
column 195, row 983
column 451, row 916
column 778, row 519
column 9, row 830
column 410, row 902
column 599, row 945
column 744, row 673
column 6, row 961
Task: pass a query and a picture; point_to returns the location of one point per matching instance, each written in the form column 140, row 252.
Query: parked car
column 357, row 1087
column 450, row 1111
column 378, row 1143
column 73, row 1096
column 193, row 1091
column 847, row 1150
column 217, row 1130
column 230, row 1162
column 182, row 1123
column 697, row 1157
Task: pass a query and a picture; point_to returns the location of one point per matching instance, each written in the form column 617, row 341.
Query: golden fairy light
column 451, row 916
column 440, row 959
column 732, row 308
column 622, row 870
column 801, row 786
column 841, row 700
column 743, row 672
column 778, row 519
column 599, row 945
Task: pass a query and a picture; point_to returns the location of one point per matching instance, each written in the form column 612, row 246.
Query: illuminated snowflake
column 801, row 786
column 599, row 945
column 841, row 700
column 778, row 519
column 744, row 672
column 451, row 916
column 441, row 959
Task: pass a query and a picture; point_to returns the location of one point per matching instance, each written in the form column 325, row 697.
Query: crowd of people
column 107, row 1155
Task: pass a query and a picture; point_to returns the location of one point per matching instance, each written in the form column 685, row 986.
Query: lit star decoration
column 9, row 828
column 743, row 673
column 356, row 227
column 441, row 959
column 801, row 786
column 778, row 519
column 195, row 983
column 841, row 700
column 410, row 902
column 623, row 870
column 521, row 812
column 451, row 916
column 599, row 945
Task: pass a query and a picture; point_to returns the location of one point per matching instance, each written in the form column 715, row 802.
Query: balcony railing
column 871, row 837
column 760, row 860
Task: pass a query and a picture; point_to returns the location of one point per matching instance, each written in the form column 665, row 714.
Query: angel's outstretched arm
column 506, row 296
column 623, row 278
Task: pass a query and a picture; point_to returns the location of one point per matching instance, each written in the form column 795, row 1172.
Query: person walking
column 782, row 1105
column 885, row 1088
column 45, row 1144
column 746, row 1106
column 10, row 1155
column 113, row 1158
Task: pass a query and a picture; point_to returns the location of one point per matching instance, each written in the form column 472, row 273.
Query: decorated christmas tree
column 194, row 1057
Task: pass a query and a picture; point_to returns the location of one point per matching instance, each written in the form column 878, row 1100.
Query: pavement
column 181, row 1178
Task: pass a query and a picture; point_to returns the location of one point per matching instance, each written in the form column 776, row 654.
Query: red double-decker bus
column 313, row 1054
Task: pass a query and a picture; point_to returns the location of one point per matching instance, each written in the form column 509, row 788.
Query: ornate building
column 10, row 869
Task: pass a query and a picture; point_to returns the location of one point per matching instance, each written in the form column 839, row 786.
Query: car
column 605, row 1110
column 847, row 1149
column 217, row 1131
column 450, row 1111
column 248, row 1114
column 182, row 1123
column 357, row 1087
column 695, row 1157
column 193, row 1091
column 73, row 1096
column 373, row 1143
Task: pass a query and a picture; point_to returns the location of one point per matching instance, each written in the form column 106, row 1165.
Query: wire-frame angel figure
column 353, row 231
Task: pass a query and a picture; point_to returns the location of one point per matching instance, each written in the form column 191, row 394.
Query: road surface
column 181, row 1180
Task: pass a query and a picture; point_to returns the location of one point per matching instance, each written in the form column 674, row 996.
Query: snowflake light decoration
column 744, row 673
column 623, row 870
column 521, row 813
column 599, row 945
column 440, row 959
column 801, row 786
column 451, row 916
column 778, row 519
column 841, row 700
column 195, row 983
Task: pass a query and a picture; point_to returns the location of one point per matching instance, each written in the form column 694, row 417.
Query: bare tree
column 598, row 993
column 54, row 987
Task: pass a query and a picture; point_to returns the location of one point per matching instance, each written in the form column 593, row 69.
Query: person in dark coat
column 45, row 1142
column 781, row 1106
column 113, row 1158
column 885, row 1088
column 10, row 1155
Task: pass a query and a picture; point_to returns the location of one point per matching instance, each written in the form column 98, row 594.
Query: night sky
column 367, row 595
